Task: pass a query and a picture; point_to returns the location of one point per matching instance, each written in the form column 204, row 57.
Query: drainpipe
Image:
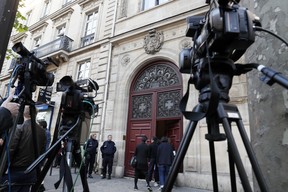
column 107, row 76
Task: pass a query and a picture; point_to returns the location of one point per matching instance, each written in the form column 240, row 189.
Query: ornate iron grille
column 157, row 76
column 168, row 104
column 142, row 107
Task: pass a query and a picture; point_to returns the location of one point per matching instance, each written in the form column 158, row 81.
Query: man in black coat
column 90, row 153
column 107, row 149
column 142, row 156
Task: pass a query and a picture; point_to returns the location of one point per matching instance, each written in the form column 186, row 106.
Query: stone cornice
column 17, row 37
column 60, row 13
column 37, row 26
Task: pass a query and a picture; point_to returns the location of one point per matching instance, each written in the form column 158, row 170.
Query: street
column 104, row 185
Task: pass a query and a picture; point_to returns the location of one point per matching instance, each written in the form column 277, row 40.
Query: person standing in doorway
column 90, row 153
column 153, row 168
column 108, row 150
column 142, row 156
column 164, row 160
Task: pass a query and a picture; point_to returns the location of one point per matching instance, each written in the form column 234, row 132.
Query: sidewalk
column 96, row 184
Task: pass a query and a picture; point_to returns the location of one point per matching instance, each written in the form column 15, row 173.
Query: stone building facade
column 131, row 49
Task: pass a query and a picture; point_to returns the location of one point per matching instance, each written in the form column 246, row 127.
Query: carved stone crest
column 153, row 41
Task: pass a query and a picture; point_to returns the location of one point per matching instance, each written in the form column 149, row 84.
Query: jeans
column 163, row 173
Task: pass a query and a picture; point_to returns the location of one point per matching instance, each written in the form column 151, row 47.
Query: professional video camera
column 76, row 100
column 36, row 68
column 222, row 36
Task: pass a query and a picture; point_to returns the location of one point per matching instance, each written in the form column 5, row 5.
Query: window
column 6, row 91
column 60, row 30
column 67, row 1
column 36, row 42
column 83, row 69
column 90, row 28
column 147, row 4
column 46, row 7
column 28, row 17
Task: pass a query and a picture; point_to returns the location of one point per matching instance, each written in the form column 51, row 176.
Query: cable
column 271, row 33
column 82, row 161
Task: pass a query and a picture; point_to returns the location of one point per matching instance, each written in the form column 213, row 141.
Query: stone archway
column 154, row 99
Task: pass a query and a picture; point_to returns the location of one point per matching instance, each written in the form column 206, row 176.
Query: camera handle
column 270, row 76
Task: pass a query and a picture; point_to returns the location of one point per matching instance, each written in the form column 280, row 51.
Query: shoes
column 161, row 187
column 109, row 177
column 90, row 176
column 42, row 188
column 135, row 188
column 103, row 177
column 155, row 184
column 149, row 188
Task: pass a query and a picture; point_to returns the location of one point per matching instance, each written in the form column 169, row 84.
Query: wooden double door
column 154, row 108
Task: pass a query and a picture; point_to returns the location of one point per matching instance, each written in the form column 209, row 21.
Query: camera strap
column 191, row 115
column 213, row 100
column 66, row 173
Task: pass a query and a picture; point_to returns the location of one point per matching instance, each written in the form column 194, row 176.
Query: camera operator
column 22, row 153
column 8, row 110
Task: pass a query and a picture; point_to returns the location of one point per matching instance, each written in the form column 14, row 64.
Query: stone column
column 268, row 106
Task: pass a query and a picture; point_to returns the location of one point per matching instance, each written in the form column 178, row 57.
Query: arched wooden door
column 154, row 99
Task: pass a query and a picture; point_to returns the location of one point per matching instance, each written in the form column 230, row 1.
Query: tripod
column 225, row 114
column 71, row 146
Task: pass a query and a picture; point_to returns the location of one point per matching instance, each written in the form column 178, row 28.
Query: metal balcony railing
column 63, row 43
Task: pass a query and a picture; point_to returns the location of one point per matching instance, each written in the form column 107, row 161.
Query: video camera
column 76, row 98
column 28, row 62
column 225, row 32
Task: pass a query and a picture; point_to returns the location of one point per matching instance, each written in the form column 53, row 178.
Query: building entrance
column 154, row 107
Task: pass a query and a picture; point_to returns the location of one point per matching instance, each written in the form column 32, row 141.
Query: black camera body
column 225, row 31
column 35, row 66
column 75, row 98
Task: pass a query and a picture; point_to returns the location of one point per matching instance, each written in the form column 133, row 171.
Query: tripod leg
column 45, row 169
column 232, row 171
column 235, row 153
column 213, row 166
column 78, row 159
column 251, row 155
column 179, row 156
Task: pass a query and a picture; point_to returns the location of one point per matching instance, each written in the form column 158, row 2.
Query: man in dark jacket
column 22, row 153
column 142, row 156
column 153, row 167
column 90, row 148
column 164, row 160
column 107, row 149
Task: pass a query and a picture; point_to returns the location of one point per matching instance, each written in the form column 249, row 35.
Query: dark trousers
column 89, row 162
column 153, row 168
column 140, row 174
column 20, row 182
column 107, row 161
